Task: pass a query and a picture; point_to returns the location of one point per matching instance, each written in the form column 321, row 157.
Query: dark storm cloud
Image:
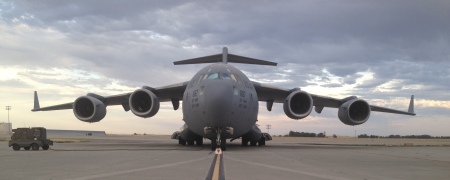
column 136, row 41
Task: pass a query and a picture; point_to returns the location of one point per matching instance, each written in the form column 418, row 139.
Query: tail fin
column 36, row 101
column 225, row 58
column 411, row 105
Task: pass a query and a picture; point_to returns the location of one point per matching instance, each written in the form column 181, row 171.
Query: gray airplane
column 221, row 103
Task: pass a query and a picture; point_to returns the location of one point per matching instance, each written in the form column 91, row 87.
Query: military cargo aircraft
column 220, row 103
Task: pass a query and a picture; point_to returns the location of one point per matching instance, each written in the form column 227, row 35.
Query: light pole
column 8, row 108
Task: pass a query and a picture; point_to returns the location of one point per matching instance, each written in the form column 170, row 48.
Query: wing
column 172, row 92
column 271, row 94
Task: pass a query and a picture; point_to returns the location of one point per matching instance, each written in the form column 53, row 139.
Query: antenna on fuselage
column 225, row 55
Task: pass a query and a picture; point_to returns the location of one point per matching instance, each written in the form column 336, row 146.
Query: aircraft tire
column 213, row 144
column 262, row 141
column 181, row 141
column 199, row 142
column 252, row 143
column 223, row 144
column 244, row 141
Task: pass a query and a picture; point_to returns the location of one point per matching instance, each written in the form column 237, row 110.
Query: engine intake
column 354, row 112
column 298, row 105
column 89, row 109
column 144, row 103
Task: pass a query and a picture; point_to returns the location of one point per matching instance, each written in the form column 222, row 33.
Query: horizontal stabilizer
column 225, row 57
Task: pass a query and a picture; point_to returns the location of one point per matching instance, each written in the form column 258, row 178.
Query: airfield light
column 8, row 108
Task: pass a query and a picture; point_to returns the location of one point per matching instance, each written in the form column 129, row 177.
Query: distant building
column 5, row 128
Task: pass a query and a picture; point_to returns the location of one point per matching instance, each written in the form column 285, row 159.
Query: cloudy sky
column 381, row 51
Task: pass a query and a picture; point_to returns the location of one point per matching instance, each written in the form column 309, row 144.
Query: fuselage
column 220, row 96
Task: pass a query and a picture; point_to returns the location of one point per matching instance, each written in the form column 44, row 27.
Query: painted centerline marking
column 216, row 171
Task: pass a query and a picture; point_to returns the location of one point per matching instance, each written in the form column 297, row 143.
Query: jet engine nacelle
column 144, row 103
column 354, row 112
column 298, row 105
column 89, row 109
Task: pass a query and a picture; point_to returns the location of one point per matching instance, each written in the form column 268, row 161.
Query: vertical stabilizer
column 411, row 105
column 36, row 101
column 225, row 55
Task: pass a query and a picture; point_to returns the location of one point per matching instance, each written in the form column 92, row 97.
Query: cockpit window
column 225, row 76
column 213, row 76
column 221, row 76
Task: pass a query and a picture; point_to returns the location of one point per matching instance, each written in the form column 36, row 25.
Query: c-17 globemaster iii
column 220, row 103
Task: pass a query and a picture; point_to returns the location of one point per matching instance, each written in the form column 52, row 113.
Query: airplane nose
column 218, row 97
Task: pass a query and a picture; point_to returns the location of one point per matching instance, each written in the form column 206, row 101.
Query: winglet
column 411, row 105
column 36, row 102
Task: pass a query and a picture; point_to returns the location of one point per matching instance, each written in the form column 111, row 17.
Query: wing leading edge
column 272, row 94
column 172, row 93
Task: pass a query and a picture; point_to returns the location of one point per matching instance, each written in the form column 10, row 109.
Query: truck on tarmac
column 30, row 138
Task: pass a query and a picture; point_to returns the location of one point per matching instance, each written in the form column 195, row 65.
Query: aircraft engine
column 354, row 112
column 89, row 109
column 298, row 105
column 144, row 103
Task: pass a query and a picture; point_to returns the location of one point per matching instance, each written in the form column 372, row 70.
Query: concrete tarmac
column 158, row 157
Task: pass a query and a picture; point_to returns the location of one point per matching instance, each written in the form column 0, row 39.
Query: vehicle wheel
column 34, row 147
column 252, row 143
column 213, row 144
column 27, row 148
column 190, row 143
column 45, row 147
column 16, row 147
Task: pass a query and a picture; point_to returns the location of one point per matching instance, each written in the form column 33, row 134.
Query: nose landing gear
column 221, row 142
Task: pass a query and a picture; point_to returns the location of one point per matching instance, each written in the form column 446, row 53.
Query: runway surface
column 158, row 157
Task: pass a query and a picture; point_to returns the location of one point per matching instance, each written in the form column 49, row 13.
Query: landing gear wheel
column 26, row 148
column 223, row 144
column 45, row 147
column 181, row 141
column 262, row 141
column 244, row 142
column 16, row 147
column 190, row 143
column 252, row 143
column 213, row 144
column 199, row 142
column 34, row 147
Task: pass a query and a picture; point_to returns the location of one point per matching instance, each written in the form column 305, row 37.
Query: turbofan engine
column 354, row 112
column 89, row 109
column 298, row 105
column 144, row 103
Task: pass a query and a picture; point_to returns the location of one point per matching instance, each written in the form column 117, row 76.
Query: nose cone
column 218, row 100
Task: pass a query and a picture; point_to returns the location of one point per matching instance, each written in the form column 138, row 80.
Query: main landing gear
column 260, row 142
column 198, row 142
